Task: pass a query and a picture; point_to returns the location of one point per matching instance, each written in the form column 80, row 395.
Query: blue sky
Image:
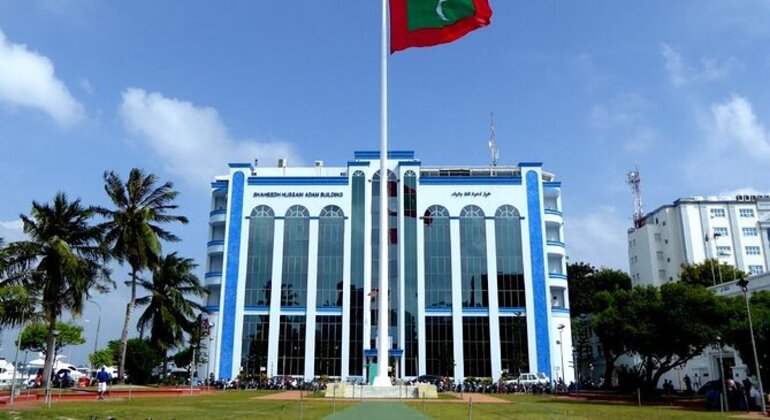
column 179, row 88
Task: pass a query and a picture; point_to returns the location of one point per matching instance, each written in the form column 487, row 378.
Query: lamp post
column 743, row 283
column 723, row 397
column 561, row 350
column 98, row 325
column 16, row 362
column 54, row 333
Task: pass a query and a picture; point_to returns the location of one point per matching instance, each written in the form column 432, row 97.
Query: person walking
column 102, row 377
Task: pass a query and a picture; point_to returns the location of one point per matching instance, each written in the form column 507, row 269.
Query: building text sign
column 297, row 194
column 482, row 194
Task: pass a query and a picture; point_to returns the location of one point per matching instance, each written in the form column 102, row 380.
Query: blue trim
column 375, row 154
column 411, row 163
column 219, row 185
column 475, row 311
column 212, row 309
column 552, row 184
column 542, row 338
column 530, row 165
column 358, row 163
column 218, row 211
column 329, row 310
column 231, row 281
column 555, row 243
column 216, row 242
column 293, row 310
column 438, row 311
column 559, row 310
column 213, row 274
column 554, row 212
column 397, row 353
column 257, row 310
column 298, row 180
column 512, row 311
column 470, row 180
column 557, row 276
column 240, row 165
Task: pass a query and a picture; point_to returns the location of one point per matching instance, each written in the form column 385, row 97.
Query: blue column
column 542, row 340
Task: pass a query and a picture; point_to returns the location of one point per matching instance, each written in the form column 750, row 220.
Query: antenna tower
column 634, row 179
column 493, row 150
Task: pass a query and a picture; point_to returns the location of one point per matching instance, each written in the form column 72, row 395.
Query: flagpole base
column 381, row 381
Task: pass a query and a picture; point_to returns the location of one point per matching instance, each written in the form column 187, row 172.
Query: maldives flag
column 422, row 23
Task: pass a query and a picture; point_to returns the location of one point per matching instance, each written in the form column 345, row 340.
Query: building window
column 254, row 343
column 296, row 230
column 658, row 237
column 750, row 231
column 410, row 273
column 473, row 257
column 720, row 231
column 717, row 212
column 724, row 251
column 476, row 346
column 331, row 240
column 328, row 346
column 752, row 250
column 438, row 258
column 746, row 212
column 510, row 269
column 662, row 274
column 756, row 269
column 291, row 345
column 357, row 249
column 514, row 346
column 392, row 283
column 439, row 350
column 259, row 259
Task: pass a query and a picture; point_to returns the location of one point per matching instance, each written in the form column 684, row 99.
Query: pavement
column 378, row 410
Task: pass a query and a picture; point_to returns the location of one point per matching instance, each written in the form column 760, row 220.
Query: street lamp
column 743, row 283
column 723, row 397
column 98, row 324
column 561, row 350
column 54, row 333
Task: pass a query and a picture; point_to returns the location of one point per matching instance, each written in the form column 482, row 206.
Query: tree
column 16, row 303
column 60, row 264
column 133, row 230
column 33, row 337
column 169, row 312
column 611, row 328
column 736, row 332
column 586, row 282
column 103, row 357
column 141, row 359
column 709, row 273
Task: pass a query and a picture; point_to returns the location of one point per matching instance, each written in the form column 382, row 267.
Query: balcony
column 217, row 216
column 216, row 246
column 552, row 216
column 213, row 278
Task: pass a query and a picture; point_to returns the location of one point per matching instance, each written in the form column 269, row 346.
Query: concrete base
column 350, row 391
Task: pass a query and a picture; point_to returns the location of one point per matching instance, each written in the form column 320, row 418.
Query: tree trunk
column 609, row 367
column 50, row 354
column 124, row 333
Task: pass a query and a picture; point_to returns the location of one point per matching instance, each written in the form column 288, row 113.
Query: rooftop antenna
column 493, row 151
column 634, row 179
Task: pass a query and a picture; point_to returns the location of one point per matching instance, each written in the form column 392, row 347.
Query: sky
column 180, row 88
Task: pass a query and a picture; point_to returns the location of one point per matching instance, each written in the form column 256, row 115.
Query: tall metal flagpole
column 382, row 348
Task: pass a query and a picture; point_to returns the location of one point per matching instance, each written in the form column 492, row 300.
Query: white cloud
column 598, row 238
column 86, row 86
column 11, row 231
column 623, row 120
column 736, row 125
column 192, row 140
column 679, row 73
column 27, row 79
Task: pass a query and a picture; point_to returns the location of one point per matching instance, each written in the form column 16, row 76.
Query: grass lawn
column 240, row 404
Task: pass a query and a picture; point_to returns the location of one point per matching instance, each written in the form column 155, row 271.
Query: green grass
column 240, row 404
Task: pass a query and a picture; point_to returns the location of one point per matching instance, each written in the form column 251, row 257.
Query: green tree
column 141, row 359
column 737, row 335
column 60, row 264
column 709, row 273
column 33, row 337
column 169, row 311
column 133, row 230
column 16, row 303
column 103, row 357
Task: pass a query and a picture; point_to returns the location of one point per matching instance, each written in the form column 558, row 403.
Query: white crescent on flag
column 440, row 10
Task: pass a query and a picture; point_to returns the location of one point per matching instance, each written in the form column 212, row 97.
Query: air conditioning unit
column 319, row 164
column 282, row 162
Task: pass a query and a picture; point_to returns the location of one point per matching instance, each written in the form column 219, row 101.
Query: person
column 102, row 377
column 688, row 383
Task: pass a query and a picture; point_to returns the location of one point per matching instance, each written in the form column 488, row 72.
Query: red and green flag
column 423, row 23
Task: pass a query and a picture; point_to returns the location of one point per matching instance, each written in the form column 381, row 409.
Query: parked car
column 531, row 379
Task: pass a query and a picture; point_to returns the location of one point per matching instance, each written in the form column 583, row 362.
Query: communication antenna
column 493, row 151
column 634, row 179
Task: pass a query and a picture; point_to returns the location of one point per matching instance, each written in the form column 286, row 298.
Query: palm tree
column 169, row 312
column 133, row 232
column 16, row 303
column 60, row 264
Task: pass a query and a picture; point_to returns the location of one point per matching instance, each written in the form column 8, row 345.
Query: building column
column 346, row 263
column 494, row 306
column 275, row 299
column 312, row 287
column 457, row 300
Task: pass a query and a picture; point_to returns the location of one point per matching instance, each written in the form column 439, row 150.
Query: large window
column 254, row 343
column 357, row 249
column 291, row 345
column 410, row 273
column 746, row 212
column 476, row 346
column 331, row 241
column 473, row 257
column 439, row 351
column 514, row 347
column 510, row 267
column 328, row 345
column 259, row 259
column 438, row 258
column 295, row 248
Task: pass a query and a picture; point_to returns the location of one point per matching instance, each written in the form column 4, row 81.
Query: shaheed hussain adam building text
column 477, row 281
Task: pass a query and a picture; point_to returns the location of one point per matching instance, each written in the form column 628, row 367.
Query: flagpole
column 382, row 349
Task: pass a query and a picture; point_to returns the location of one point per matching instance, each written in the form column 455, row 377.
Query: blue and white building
column 477, row 281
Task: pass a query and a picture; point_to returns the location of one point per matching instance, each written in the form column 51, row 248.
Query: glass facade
column 514, row 346
column 439, row 352
column 259, row 259
column 296, row 230
column 254, row 343
column 392, row 236
column 291, row 345
column 357, row 232
column 478, row 361
column 328, row 345
column 510, row 267
column 473, row 257
column 438, row 258
column 410, row 273
column 331, row 249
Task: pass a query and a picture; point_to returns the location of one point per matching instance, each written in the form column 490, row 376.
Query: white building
column 477, row 270
column 691, row 230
